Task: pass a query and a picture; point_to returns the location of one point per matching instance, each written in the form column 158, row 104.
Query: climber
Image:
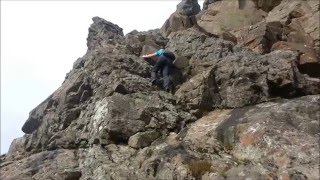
column 164, row 64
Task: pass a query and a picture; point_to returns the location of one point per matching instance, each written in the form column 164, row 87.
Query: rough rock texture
column 259, row 25
column 243, row 79
column 228, row 76
column 182, row 19
column 261, row 36
column 229, row 15
column 266, row 5
column 207, row 2
column 256, row 24
column 235, row 114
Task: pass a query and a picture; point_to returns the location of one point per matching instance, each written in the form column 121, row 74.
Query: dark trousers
column 164, row 66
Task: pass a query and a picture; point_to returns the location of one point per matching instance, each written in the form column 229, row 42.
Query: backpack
column 170, row 55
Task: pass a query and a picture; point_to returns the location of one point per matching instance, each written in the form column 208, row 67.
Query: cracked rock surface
column 235, row 113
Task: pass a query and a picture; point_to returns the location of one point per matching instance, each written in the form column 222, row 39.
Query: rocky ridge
column 235, row 114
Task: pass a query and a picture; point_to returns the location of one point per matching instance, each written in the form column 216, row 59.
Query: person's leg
column 166, row 76
column 161, row 62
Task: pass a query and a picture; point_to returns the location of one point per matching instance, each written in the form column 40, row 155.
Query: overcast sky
column 40, row 40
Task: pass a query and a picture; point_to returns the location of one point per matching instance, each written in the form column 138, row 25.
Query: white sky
column 40, row 40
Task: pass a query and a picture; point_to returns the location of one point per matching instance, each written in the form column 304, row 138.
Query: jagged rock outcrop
column 182, row 19
column 227, row 15
column 260, row 24
column 228, row 76
column 235, row 113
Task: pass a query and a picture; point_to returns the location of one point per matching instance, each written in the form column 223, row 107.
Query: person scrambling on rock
column 163, row 65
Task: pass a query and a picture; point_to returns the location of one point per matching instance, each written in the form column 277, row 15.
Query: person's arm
column 150, row 55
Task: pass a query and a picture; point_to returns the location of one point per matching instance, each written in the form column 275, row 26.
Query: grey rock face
column 188, row 7
column 237, row 81
column 229, row 117
column 123, row 116
column 110, row 33
column 267, row 134
column 228, row 76
column 143, row 139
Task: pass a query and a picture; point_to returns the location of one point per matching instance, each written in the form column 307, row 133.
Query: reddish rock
column 260, row 37
column 285, row 8
column 283, row 45
column 301, row 17
column 309, row 63
column 308, row 58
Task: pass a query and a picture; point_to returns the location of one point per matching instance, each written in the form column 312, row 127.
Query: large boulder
column 260, row 37
column 309, row 60
column 305, row 13
column 188, row 7
column 182, row 19
column 282, row 133
column 226, row 16
column 286, row 10
column 300, row 20
column 282, row 121
column 122, row 116
column 176, row 22
column 244, row 79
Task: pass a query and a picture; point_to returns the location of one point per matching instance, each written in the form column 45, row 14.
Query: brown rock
column 308, row 59
column 267, row 5
column 260, row 37
column 225, row 16
column 283, row 45
column 282, row 11
column 176, row 22
column 310, row 23
column 229, row 37
column 183, row 18
column 197, row 94
column 296, row 12
column 309, row 63
column 143, row 139
column 301, row 20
